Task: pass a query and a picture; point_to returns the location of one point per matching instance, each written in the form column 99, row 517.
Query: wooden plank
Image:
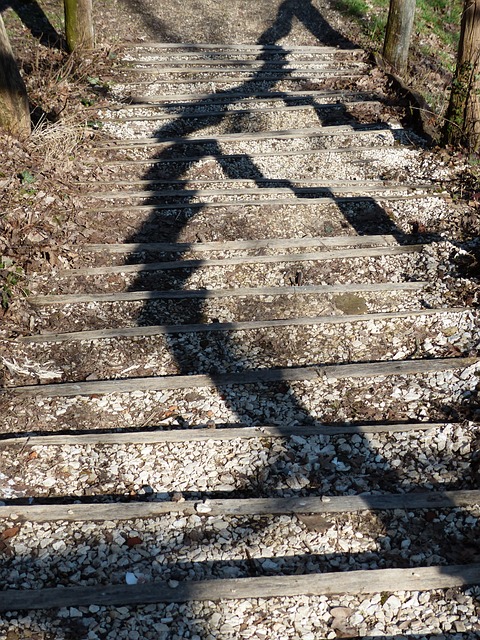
column 174, row 99
column 245, row 191
column 243, row 75
column 279, row 183
column 201, row 113
column 225, row 110
column 213, row 78
column 205, row 294
column 225, row 63
column 258, row 202
column 241, row 507
column 258, row 72
column 275, row 48
column 148, row 331
column 281, row 134
column 203, row 434
column 231, row 245
column 239, row 260
column 234, row 156
column 257, row 376
column 345, row 582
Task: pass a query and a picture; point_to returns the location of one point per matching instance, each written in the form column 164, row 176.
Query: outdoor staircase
column 257, row 384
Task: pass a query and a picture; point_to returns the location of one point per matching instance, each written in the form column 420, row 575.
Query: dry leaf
column 314, row 522
column 133, row 541
column 9, row 533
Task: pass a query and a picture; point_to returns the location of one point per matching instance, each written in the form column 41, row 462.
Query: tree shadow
column 36, row 21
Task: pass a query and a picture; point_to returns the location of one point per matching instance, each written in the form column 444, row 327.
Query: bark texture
column 462, row 126
column 79, row 24
column 399, row 31
column 14, row 108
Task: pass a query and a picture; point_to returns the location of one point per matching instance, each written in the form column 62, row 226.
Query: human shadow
column 280, row 401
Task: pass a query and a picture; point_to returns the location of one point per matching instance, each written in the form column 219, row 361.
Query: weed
column 11, row 277
column 438, row 17
column 353, row 8
column 58, row 140
column 26, row 177
column 95, row 124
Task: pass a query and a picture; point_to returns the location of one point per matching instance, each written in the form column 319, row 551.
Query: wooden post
column 14, row 108
column 78, row 24
column 399, row 30
column 462, row 124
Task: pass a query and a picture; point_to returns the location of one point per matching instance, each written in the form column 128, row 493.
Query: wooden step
column 303, row 183
column 202, row 113
column 177, row 158
column 240, row 260
column 263, row 71
column 241, row 506
column 259, row 376
column 258, row 202
column 204, row 294
column 144, row 331
column 279, row 98
column 243, row 191
column 332, row 242
column 196, row 65
column 289, row 134
column 173, row 99
column 274, row 48
column 351, row 582
column 206, row 434
column 212, row 76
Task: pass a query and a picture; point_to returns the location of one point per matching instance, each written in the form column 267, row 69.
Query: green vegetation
column 10, row 282
column 437, row 18
column 26, row 177
column 372, row 17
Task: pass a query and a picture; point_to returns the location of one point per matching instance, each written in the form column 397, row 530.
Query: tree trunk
column 14, row 108
column 462, row 124
column 79, row 24
column 398, row 34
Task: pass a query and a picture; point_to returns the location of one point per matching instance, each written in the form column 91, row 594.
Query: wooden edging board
column 260, row 191
column 206, row 294
column 257, row 376
column 258, row 73
column 155, row 330
column 238, row 156
column 281, row 134
column 279, row 183
column 351, row 582
column 227, row 62
column 197, row 47
column 228, row 96
column 241, row 260
column 301, row 183
column 204, row 433
column 201, row 113
column 100, row 511
column 184, row 102
column 259, row 202
column 331, row 242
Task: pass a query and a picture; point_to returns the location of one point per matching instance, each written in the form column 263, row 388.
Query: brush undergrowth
column 38, row 175
column 434, row 42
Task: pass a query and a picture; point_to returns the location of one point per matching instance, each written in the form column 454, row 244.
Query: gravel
column 180, row 547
